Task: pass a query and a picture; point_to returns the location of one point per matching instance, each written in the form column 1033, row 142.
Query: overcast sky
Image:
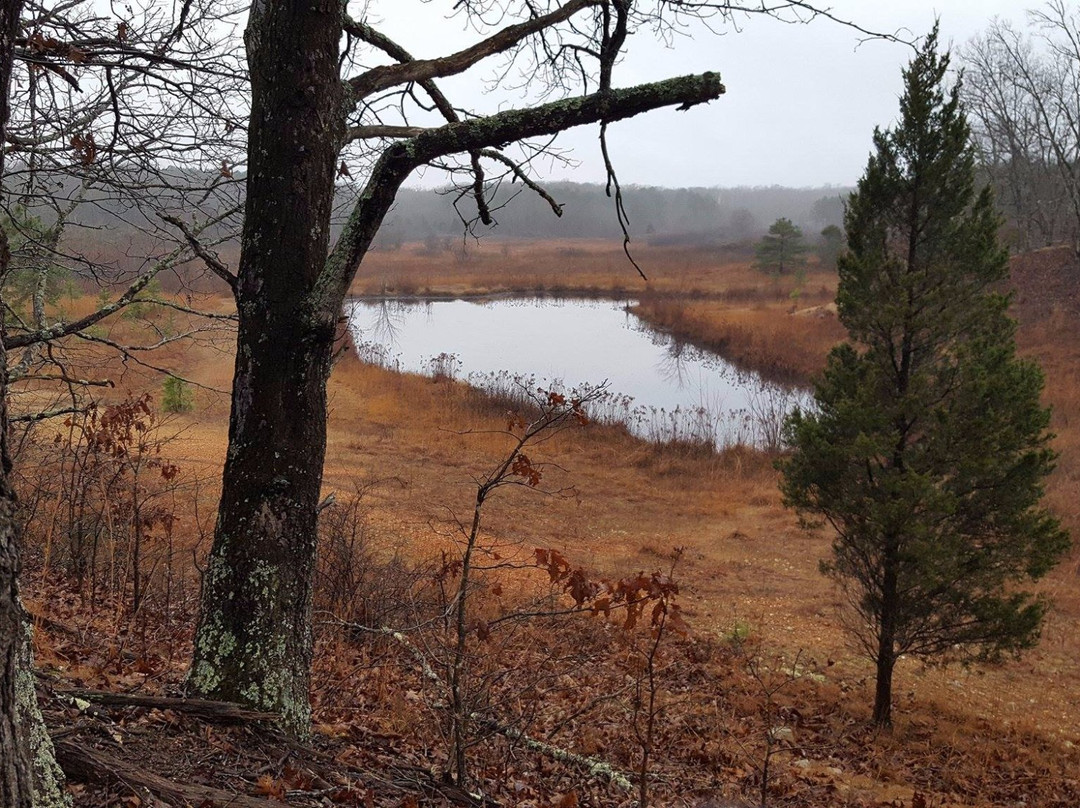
column 801, row 102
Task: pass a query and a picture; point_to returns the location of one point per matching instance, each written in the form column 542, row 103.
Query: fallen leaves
column 271, row 788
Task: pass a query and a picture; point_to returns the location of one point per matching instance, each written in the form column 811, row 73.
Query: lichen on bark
column 48, row 779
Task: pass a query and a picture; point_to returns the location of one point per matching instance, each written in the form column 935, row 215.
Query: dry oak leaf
column 267, row 786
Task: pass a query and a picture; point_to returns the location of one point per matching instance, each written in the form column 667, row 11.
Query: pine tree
column 781, row 249
column 830, row 247
column 928, row 447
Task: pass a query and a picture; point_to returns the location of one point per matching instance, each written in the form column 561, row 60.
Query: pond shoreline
column 661, row 388
column 642, row 306
column 527, row 293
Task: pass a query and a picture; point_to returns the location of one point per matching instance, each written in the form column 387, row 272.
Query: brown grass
column 778, row 340
column 747, row 567
column 571, row 267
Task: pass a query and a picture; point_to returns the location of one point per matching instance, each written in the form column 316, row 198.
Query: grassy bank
column 572, row 267
column 781, row 341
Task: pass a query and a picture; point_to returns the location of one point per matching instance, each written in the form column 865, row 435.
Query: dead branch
column 211, row 260
column 519, row 173
column 219, row 712
column 594, row 766
column 82, row 764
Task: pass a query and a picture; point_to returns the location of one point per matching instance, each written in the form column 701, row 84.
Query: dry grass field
column 963, row 736
column 579, row 267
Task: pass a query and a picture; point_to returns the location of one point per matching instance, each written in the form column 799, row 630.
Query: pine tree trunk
column 883, row 690
column 253, row 643
column 886, row 651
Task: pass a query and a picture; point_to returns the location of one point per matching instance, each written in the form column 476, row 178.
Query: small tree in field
column 830, row 247
column 928, row 447
column 781, row 250
column 176, row 395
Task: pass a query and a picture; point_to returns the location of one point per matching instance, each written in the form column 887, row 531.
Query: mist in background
column 657, row 216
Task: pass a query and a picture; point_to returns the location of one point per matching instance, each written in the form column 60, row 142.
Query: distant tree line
column 439, row 217
column 657, row 215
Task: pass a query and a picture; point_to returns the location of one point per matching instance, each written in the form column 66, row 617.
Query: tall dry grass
column 572, row 267
column 768, row 337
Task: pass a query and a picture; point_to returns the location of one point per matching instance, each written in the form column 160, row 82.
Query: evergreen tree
column 832, row 244
column 32, row 269
column 928, row 447
column 781, row 249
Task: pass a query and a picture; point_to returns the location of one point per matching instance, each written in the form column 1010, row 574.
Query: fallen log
column 85, row 765
column 221, row 712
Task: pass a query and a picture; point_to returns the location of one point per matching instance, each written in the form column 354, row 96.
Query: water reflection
column 662, row 389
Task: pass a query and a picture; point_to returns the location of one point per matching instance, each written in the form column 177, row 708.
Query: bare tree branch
column 212, row 262
column 519, row 174
column 417, row 70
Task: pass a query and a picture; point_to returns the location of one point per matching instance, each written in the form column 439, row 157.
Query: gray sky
column 801, row 102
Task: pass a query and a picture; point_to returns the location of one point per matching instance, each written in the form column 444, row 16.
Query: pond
column 662, row 389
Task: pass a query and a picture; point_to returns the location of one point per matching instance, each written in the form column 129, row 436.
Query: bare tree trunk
column 254, row 637
column 15, row 782
column 46, row 775
column 29, row 775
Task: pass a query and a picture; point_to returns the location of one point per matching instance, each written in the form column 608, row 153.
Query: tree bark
column 46, row 776
column 28, row 772
column 15, row 782
column 253, row 643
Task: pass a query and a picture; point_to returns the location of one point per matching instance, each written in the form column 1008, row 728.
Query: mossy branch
column 402, row 158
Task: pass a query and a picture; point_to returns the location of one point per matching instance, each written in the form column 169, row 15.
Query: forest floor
column 763, row 686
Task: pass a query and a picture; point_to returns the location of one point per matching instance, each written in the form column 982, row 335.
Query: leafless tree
column 114, row 120
column 15, row 783
column 120, row 122
column 20, row 722
column 1022, row 90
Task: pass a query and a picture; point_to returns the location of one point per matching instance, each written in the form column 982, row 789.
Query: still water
column 662, row 389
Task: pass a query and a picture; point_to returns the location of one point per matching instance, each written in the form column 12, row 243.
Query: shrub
column 176, row 395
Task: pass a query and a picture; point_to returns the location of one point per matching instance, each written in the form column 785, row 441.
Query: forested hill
column 710, row 214
column 704, row 215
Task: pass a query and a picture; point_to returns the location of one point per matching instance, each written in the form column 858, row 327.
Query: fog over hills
column 658, row 214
